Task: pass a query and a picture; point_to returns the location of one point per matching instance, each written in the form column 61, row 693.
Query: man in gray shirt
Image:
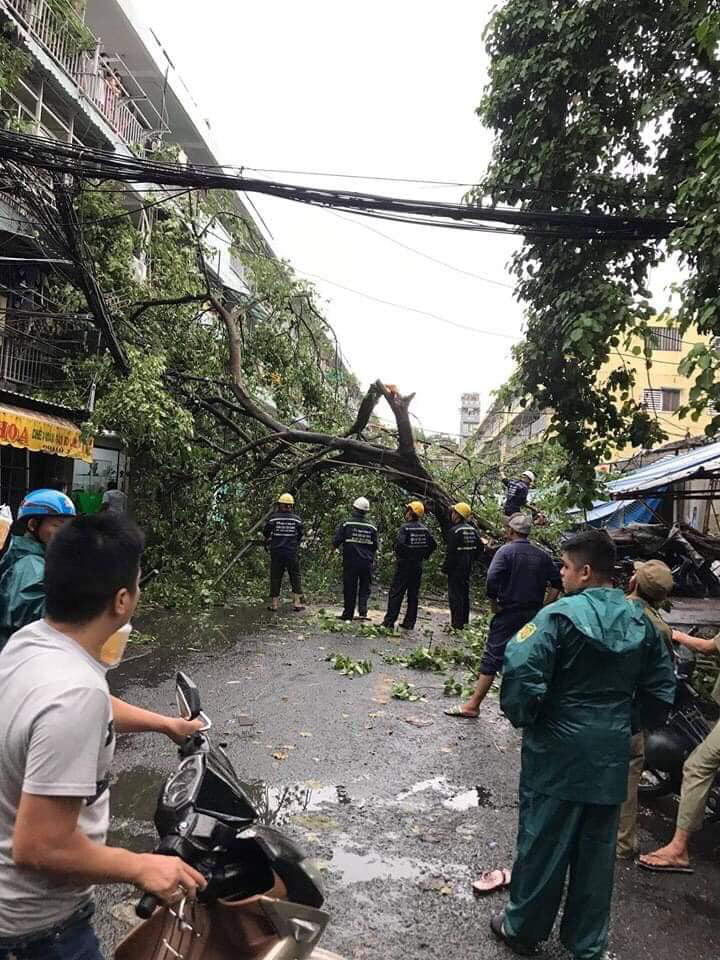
column 57, row 737
column 114, row 500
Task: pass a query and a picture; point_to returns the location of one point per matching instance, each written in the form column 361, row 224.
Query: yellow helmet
column 417, row 508
column 287, row 498
column 464, row 509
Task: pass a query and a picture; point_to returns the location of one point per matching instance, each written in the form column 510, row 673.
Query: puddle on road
column 179, row 635
column 469, row 799
column 454, row 798
column 277, row 805
column 360, row 868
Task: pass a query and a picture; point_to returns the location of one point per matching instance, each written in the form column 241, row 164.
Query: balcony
column 102, row 80
column 27, row 361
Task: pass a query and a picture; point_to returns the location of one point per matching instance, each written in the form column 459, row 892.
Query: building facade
column 469, row 415
column 119, row 93
column 662, row 390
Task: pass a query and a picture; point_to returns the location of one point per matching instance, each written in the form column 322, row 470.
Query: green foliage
column 14, row 61
column 608, row 108
column 349, row 667
column 333, row 625
column 467, row 654
column 401, row 690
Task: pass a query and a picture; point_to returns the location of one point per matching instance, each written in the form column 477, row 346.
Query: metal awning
column 701, row 462
column 42, row 433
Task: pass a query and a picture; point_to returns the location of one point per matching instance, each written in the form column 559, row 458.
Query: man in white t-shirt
column 57, row 737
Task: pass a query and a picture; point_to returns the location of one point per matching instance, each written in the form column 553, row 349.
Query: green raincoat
column 22, row 595
column 570, row 680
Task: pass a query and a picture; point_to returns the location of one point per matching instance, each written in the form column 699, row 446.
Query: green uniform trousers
column 557, row 838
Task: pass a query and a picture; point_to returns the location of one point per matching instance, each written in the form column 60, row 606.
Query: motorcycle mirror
column 187, row 697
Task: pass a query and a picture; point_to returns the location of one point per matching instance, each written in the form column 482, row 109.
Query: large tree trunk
column 324, row 452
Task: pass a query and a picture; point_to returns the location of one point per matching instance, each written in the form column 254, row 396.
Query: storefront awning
column 42, row 433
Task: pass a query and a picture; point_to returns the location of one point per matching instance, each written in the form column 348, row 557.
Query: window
column 657, row 400
column 665, row 338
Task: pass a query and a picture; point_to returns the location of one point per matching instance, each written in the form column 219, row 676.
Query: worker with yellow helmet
column 413, row 545
column 463, row 546
column 283, row 535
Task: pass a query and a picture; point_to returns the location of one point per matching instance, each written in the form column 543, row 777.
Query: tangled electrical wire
column 88, row 163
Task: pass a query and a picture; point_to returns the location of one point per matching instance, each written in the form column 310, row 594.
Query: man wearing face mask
column 57, row 730
column 22, row 595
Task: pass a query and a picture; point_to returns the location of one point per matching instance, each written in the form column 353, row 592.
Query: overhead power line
column 94, row 164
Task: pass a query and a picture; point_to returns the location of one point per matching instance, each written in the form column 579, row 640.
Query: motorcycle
column 263, row 897
column 668, row 747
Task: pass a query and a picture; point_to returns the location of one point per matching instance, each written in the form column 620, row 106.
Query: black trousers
column 278, row 566
column 459, row 597
column 408, row 575
column 356, row 589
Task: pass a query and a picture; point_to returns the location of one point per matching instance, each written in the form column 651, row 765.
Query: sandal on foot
column 461, row 714
column 666, row 866
column 298, row 609
column 491, row 880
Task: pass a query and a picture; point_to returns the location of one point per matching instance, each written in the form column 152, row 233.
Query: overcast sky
column 382, row 89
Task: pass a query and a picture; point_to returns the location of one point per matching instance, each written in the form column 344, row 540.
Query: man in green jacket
column 570, row 679
column 22, row 569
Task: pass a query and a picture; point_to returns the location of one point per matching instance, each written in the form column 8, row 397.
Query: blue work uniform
column 413, row 545
column 283, row 535
column 463, row 547
column 359, row 541
column 516, row 498
column 517, row 578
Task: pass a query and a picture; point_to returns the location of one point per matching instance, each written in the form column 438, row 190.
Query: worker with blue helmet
column 22, row 569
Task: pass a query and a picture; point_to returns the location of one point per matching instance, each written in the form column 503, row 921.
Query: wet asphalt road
column 401, row 805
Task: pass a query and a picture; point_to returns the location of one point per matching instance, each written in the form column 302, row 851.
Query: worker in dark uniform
column 521, row 577
column 359, row 541
column 463, row 546
column 414, row 544
column 570, row 679
column 283, row 535
column 517, row 493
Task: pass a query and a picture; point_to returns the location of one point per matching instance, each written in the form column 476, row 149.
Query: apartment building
column 98, row 76
column 469, row 414
column 662, row 391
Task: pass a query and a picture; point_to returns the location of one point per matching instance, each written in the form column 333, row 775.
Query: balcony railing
column 79, row 53
column 26, row 362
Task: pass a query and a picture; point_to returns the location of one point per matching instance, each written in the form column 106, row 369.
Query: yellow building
column 662, row 389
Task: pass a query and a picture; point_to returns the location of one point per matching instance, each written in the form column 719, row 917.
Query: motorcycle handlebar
column 146, row 905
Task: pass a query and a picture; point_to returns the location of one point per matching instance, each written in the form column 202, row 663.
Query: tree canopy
column 607, row 106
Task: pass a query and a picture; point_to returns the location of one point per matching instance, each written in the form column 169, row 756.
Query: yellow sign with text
column 42, row 433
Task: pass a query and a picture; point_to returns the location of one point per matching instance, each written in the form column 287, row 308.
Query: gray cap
column 520, row 523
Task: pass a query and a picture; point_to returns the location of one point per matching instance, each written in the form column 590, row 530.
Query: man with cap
column 413, row 545
column 517, row 583
column 649, row 587
column 359, row 541
column 463, row 546
column 283, row 534
column 517, row 492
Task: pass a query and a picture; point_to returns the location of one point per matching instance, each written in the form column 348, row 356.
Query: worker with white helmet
column 517, row 493
column 283, row 535
column 358, row 539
